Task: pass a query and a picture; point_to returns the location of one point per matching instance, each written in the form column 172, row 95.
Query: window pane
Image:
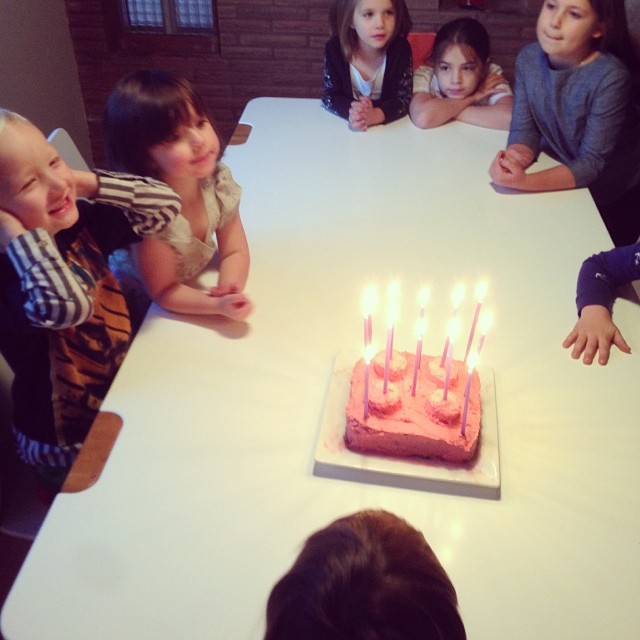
column 144, row 13
column 194, row 14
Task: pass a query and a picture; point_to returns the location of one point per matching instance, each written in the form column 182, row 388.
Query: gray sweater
column 582, row 117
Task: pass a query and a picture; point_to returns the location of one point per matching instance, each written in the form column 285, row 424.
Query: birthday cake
column 430, row 423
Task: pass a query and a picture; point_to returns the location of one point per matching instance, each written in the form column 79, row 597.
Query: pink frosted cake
column 400, row 424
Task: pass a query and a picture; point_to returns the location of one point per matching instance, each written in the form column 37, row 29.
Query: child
column 460, row 83
column 572, row 98
column 598, row 280
column 157, row 125
column 64, row 324
column 368, row 575
column 367, row 63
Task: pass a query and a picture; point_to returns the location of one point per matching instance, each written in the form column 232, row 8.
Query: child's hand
column 595, row 332
column 489, row 86
column 358, row 113
column 10, row 228
column 235, row 306
column 86, row 183
column 506, row 172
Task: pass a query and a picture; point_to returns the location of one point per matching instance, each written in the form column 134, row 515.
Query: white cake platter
column 478, row 478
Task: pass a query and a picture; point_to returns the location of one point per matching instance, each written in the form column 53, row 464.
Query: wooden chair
column 421, row 45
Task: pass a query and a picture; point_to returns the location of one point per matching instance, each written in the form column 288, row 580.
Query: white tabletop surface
column 210, row 490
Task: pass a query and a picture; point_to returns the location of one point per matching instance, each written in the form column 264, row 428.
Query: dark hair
column 469, row 34
column 366, row 576
column 341, row 21
column 615, row 39
column 144, row 109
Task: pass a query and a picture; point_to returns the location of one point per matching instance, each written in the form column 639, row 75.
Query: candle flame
column 486, row 320
column 423, row 297
column 369, row 300
column 457, row 295
column 481, row 290
column 392, row 315
column 472, row 362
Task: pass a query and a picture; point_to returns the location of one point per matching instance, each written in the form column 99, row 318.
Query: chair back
column 67, row 149
column 421, row 45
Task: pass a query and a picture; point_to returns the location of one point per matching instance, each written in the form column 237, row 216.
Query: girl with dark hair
column 459, row 82
column 367, row 576
column 157, row 124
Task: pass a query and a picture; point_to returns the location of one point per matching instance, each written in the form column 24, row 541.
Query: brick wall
column 266, row 47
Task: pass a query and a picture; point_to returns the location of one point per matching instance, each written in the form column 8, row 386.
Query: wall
column 38, row 71
column 267, row 47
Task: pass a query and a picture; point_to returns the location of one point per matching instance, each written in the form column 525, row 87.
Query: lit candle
column 486, row 321
column 472, row 365
column 423, row 298
column 391, row 318
column 456, row 297
column 368, row 354
column 393, row 295
column 369, row 300
column 454, row 326
column 480, row 293
column 421, row 329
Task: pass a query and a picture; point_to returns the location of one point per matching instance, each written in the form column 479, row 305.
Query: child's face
column 191, row 152
column 458, row 74
column 374, row 22
column 567, row 30
column 36, row 185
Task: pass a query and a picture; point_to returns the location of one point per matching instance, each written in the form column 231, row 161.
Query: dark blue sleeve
column 397, row 86
column 337, row 94
column 602, row 274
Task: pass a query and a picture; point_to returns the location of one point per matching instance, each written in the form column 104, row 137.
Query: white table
column 210, row 490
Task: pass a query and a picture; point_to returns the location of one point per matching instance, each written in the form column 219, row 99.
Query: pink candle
column 369, row 298
column 387, row 358
column 456, row 297
column 416, row 366
column 453, row 332
column 485, row 323
column 368, row 354
column 423, row 298
column 467, row 392
column 481, row 292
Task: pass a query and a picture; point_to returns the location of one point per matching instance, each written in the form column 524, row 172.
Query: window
column 168, row 16
column 170, row 26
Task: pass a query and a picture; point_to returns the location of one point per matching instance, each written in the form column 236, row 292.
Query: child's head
column 36, row 185
column 375, row 23
column 369, row 575
column 569, row 31
column 157, row 125
column 460, row 57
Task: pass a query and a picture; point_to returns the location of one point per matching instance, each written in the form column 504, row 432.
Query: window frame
column 140, row 42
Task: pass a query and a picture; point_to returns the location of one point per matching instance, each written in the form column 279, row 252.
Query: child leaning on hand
column 598, row 280
column 64, row 323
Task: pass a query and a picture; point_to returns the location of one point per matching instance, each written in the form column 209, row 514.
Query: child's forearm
column 234, row 270
column 55, row 299
column 497, row 116
column 427, row 112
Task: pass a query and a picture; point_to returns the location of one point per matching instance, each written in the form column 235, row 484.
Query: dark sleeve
column 337, row 94
column 602, row 274
column 397, row 86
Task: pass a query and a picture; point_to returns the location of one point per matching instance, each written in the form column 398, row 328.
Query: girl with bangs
column 157, row 124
